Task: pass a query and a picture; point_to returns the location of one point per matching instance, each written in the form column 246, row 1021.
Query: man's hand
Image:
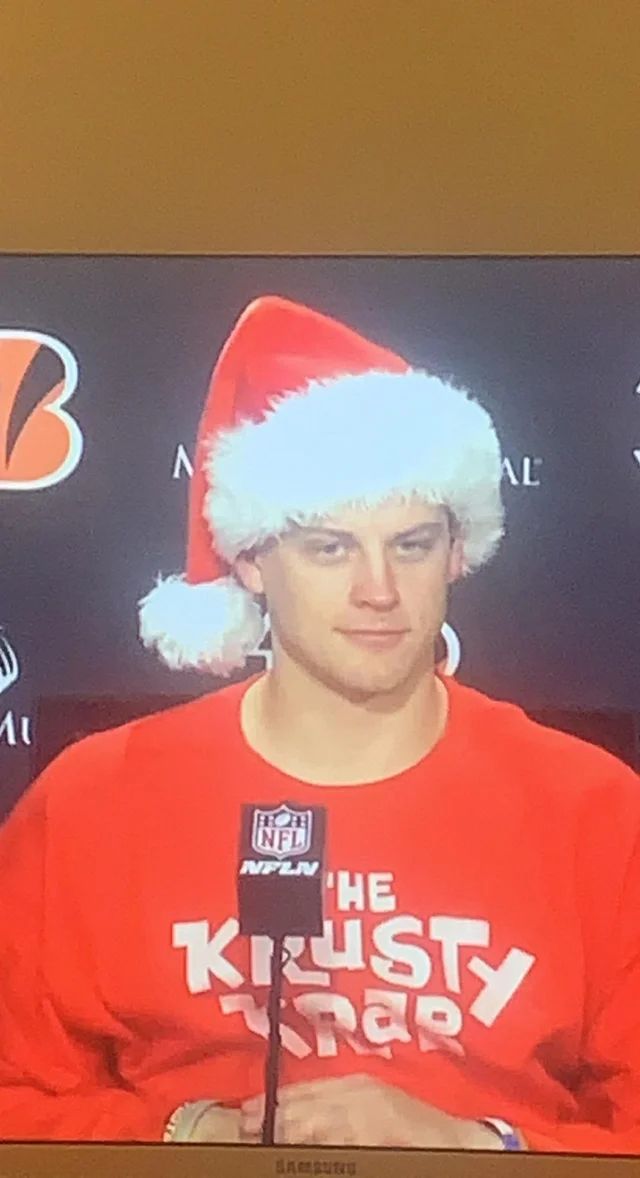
column 359, row 1110
column 212, row 1124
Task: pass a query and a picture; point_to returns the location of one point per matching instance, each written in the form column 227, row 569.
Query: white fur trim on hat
column 214, row 626
column 357, row 440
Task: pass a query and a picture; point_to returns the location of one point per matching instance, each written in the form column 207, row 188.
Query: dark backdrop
column 550, row 346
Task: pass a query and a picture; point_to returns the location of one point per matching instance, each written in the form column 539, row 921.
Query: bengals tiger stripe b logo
column 40, row 443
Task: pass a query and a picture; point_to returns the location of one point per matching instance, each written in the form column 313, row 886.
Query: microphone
column 280, row 883
column 281, row 869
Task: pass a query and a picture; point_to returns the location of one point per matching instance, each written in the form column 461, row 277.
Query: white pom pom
column 214, row 626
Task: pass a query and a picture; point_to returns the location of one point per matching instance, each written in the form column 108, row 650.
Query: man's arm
column 607, row 1085
column 54, row 1082
column 606, row 1081
column 614, row 1094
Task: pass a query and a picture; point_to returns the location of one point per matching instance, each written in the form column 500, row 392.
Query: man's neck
column 312, row 732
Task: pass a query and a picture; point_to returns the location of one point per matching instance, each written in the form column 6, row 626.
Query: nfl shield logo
column 282, row 832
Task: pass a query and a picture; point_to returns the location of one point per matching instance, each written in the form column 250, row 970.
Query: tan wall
column 320, row 125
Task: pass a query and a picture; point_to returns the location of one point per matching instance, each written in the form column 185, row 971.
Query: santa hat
column 304, row 416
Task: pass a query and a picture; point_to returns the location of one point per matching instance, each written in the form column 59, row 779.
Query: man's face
column 357, row 600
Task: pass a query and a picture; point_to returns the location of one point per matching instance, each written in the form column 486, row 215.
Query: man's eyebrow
column 432, row 528
column 318, row 529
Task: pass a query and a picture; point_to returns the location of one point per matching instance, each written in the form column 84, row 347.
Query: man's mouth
column 375, row 638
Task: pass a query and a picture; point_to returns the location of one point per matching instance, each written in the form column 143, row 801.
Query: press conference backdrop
column 93, row 496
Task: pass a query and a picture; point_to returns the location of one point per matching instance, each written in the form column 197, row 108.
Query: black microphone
column 281, row 869
column 280, row 885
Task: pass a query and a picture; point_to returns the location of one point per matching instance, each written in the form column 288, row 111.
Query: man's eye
column 415, row 547
column 331, row 549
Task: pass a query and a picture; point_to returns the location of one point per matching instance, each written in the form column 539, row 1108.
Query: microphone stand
column 279, row 958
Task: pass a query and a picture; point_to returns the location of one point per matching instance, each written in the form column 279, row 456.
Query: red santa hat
column 304, row 416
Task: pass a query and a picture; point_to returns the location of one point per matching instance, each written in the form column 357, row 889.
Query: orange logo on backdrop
column 48, row 445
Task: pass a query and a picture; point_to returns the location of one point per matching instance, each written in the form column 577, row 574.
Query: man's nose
column 374, row 582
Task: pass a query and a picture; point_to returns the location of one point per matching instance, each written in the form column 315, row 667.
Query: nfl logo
column 282, row 832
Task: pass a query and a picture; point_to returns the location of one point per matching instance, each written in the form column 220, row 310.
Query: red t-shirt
column 480, row 948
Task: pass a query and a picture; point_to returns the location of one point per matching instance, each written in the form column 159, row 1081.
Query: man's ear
column 248, row 573
column 456, row 560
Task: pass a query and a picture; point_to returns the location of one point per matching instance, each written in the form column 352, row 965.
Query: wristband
column 505, row 1131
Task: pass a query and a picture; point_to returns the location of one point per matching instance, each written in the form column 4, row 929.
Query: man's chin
column 365, row 683
column 365, row 676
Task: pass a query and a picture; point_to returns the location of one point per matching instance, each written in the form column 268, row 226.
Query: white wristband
column 505, row 1131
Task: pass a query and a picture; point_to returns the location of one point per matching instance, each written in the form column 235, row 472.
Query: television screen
column 319, row 702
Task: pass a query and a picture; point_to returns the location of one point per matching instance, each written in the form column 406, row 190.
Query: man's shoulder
column 203, row 720
column 503, row 733
column 177, row 718
column 99, row 766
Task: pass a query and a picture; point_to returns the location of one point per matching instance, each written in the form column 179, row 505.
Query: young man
column 477, row 983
